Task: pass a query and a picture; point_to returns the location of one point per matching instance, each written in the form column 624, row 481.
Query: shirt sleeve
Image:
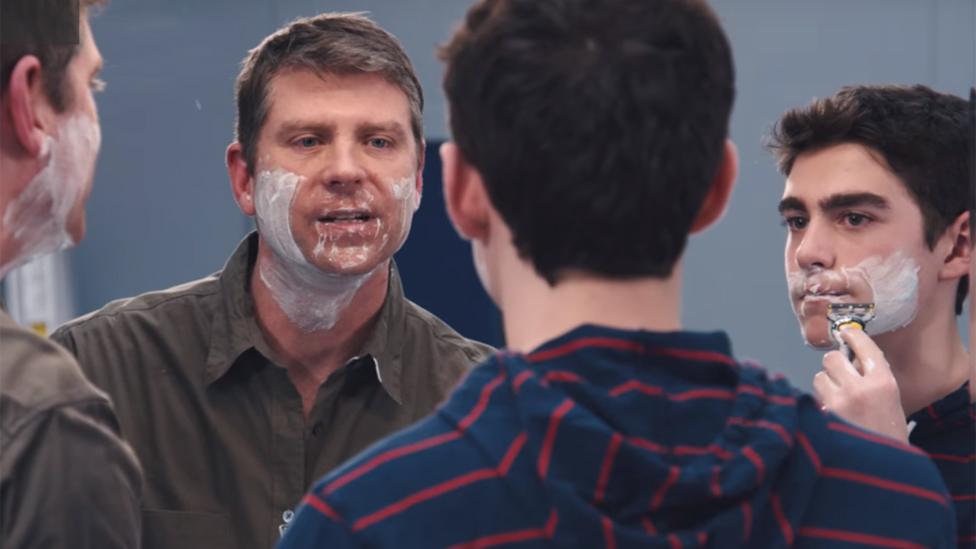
column 317, row 525
column 73, row 483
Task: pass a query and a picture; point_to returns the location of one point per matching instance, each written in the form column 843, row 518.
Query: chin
column 817, row 335
column 76, row 228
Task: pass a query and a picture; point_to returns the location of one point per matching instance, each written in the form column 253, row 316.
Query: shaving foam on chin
column 38, row 217
column 311, row 298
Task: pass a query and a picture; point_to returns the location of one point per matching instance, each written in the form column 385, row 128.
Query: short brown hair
column 923, row 136
column 330, row 43
column 47, row 29
column 581, row 111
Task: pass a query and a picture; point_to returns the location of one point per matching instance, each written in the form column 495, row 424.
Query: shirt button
column 317, row 429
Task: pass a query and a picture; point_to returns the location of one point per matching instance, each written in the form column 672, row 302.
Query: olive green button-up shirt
column 225, row 447
column 66, row 477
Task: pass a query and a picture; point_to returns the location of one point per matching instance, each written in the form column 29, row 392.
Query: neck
column 927, row 359
column 313, row 320
column 535, row 313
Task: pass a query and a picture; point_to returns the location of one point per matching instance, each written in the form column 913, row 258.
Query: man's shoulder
column 158, row 302
column 444, row 338
column 859, row 458
column 37, row 376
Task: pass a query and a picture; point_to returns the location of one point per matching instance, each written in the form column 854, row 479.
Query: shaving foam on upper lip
column 38, row 217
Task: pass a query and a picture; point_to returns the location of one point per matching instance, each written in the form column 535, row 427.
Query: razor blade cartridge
column 849, row 315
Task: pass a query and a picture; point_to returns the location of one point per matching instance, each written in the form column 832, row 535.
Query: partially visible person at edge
column 875, row 204
column 238, row 390
column 591, row 138
column 66, row 478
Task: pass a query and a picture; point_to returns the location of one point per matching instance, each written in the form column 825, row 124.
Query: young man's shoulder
column 888, row 489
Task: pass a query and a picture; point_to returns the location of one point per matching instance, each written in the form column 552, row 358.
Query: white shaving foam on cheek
column 893, row 283
column 273, row 197
column 408, row 201
column 894, row 280
column 38, row 217
column 312, row 299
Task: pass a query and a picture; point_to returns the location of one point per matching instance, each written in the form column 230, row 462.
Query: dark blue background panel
column 436, row 265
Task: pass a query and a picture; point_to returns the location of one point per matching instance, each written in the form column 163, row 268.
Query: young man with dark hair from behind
column 591, row 140
column 875, row 204
column 66, row 478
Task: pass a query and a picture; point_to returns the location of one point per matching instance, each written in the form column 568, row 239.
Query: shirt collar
column 953, row 411
column 233, row 326
column 385, row 344
column 235, row 330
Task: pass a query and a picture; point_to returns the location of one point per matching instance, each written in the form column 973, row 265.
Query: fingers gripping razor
column 848, row 315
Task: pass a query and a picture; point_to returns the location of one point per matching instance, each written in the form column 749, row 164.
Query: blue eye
column 308, row 142
column 379, row 143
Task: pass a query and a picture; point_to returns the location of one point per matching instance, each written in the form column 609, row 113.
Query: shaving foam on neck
column 37, row 220
column 311, row 298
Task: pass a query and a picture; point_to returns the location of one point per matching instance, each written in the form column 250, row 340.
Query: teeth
column 345, row 217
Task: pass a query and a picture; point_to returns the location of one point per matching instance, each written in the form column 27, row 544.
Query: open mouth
column 346, row 216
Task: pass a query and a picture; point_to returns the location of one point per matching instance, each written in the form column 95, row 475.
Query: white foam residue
column 38, row 217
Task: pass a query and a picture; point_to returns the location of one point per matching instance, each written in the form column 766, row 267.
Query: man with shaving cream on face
column 237, row 391
column 878, row 182
column 67, row 480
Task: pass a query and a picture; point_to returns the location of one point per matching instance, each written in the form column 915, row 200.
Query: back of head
column 47, row 29
column 923, row 136
column 597, row 125
column 330, row 43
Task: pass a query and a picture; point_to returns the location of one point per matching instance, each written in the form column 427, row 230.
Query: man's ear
column 421, row 160
column 465, row 196
column 241, row 180
column 956, row 246
column 718, row 195
column 27, row 104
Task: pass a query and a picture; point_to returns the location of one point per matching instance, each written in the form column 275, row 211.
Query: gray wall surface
column 162, row 211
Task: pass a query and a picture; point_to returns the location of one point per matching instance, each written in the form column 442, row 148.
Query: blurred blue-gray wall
column 162, row 211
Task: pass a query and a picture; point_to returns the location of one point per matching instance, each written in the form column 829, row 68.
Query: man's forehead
column 842, row 169
column 365, row 104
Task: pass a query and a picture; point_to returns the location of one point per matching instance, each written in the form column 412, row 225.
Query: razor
column 848, row 315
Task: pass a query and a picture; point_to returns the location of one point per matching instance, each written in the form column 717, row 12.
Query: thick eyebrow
column 792, row 203
column 843, row 201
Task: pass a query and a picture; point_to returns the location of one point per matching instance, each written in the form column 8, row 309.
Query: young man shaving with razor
column 876, row 209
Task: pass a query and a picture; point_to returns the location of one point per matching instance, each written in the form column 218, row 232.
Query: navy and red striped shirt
column 946, row 430
column 611, row 438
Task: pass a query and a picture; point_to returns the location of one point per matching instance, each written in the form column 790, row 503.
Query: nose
column 345, row 170
column 815, row 248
